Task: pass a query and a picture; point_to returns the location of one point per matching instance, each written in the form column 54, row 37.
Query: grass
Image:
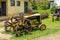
column 49, row 22
column 52, row 27
column 3, row 39
column 44, row 11
column 34, row 34
column 1, row 24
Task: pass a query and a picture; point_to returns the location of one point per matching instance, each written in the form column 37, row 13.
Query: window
column 12, row 2
column 18, row 3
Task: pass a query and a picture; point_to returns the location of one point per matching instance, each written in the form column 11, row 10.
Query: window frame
column 18, row 3
column 12, row 2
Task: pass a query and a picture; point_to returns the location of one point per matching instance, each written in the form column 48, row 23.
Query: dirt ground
column 4, row 36
column 55, row 36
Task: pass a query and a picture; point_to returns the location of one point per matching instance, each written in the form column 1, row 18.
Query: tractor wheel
column 27, row 30
column 16, row 32
column 7, row 28
column 42, row 27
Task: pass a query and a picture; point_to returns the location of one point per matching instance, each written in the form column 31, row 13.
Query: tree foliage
column 53, row 8
column 33, row 3
column 43, row 4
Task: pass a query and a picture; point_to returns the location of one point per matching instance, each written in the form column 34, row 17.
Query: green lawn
column 34, row 34
column 51, row 24
column 48, row 11
column 52, row 27
column 1, row 24
column 44, row 11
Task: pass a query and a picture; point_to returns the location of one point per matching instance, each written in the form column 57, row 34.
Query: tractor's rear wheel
column 42, row 27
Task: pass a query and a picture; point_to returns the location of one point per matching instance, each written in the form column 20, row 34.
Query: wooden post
column 52, row 18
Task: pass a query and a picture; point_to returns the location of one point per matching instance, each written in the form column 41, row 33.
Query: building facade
column 13, row 7
column 56, row 2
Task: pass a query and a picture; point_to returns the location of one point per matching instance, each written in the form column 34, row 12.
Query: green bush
column 43, row 5
column 53, row 8
column 44, row 11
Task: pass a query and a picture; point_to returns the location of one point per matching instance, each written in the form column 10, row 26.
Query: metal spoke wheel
column 42, row 27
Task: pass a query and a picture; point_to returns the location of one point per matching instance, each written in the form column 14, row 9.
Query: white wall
column 57, row 2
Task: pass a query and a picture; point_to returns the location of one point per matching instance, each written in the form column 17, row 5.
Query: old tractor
column 57, row 14
column 35, row 21
column 25, row 24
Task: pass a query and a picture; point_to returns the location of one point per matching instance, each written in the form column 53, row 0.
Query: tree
column 33, row 3
column 53, row 8
column 43, row 4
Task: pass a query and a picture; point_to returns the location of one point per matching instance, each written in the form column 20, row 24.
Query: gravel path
column 4, row 36
column 49, row 37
